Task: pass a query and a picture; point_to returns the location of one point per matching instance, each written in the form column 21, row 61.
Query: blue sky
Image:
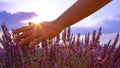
column 16, row 13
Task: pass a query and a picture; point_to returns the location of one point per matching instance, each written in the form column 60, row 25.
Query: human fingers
column 36, row 41
column 22, row 29
column 23, row 35
column 28, row 39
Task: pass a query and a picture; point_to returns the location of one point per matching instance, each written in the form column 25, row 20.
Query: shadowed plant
column 64, row 51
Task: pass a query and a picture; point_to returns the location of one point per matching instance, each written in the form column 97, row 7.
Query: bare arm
column 33, row 34
column 78, row 11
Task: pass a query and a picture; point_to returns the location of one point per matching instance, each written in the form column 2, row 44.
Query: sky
column 17, row 13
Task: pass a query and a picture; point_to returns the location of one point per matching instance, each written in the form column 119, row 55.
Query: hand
column 36, row 33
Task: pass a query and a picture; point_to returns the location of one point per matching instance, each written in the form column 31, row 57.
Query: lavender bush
column 72, row 52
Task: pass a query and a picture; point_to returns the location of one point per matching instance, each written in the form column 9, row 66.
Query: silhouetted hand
column 36, row 33
column 33, row 34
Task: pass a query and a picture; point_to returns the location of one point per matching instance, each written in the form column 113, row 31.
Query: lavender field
column 64, row 51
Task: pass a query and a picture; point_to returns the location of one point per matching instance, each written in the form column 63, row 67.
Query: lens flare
column 36, row 23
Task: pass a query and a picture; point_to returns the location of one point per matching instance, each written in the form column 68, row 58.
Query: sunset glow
column 17, row 13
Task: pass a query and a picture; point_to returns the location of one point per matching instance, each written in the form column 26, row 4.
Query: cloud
column 109, row 25
column 106, row 37
column 82, row 30
column 15, row 19
column 2, row 4
column 5, row 5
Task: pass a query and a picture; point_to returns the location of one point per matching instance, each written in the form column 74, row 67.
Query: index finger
column 22, row 29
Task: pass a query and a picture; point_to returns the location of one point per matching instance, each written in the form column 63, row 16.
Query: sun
column 35, row 20
column 36, row 23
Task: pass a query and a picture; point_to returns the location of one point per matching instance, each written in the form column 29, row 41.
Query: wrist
column 59, row 24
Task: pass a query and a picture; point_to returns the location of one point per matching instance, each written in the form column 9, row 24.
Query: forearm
column 78, row 11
